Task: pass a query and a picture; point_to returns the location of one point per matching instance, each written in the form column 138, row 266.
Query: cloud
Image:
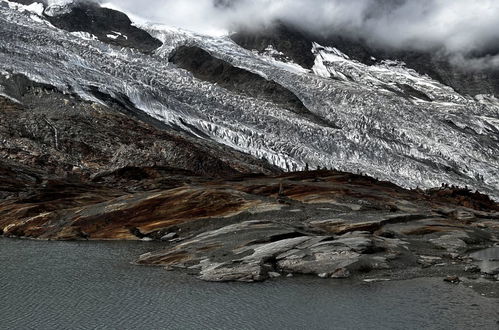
column 456, row 26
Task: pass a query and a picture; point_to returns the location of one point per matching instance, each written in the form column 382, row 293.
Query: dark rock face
column 76, row 170
column 64, row 135
column 110, row 26
column 435, row 64
column 297, row 46
column 293, row 43
column 103, row 23
column 323, row 223
column 206, row 67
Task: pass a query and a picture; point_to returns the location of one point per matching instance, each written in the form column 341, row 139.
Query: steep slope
column 64, row 135
column 325, row 223
column 448, row 70
column 104, row 142
column 206, row 67
column 104, row 24
column 388, row 129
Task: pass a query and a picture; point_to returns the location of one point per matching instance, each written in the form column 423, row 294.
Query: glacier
column 394, row 124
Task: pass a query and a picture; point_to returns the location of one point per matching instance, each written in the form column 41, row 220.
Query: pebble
column 274, row 274
column 452, row 279
column 472, row 269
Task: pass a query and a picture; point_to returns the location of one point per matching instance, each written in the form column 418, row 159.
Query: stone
column 492, row 271
column 464, row 215
column 341, row 273
column 169, row 236
column 451, row 242
column 274, row 274
column 452, row 279
column 472, row 269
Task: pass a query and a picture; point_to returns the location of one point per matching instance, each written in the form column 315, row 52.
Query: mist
column 455, row 26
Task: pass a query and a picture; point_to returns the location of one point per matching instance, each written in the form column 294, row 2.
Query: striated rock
column 117, row 144
column 169, row 236
column 236, row 230
column 218, row 220
column 452, row 242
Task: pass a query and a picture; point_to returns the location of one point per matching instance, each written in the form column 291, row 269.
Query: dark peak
column 296, row 44
column 285, row 38
column 108, row 25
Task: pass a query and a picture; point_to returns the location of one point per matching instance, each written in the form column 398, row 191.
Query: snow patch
column 115, row 35
column 84, row 35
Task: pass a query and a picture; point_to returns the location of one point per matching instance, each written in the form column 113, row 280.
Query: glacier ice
column 384, row 130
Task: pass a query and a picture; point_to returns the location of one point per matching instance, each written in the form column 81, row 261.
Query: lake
column 92, row 285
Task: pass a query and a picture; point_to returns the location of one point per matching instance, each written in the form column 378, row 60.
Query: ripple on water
column 81, row 285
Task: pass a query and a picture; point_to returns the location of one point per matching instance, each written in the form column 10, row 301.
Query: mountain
column 438, row 65
column 273, row 141
column 344, row 114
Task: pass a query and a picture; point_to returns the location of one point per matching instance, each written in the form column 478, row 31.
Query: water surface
column 88, row 285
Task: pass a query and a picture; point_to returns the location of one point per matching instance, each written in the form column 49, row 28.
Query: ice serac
column 395, row 124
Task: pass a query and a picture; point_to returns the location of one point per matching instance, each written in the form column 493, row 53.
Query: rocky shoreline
column 323, row 223
column 77, row 170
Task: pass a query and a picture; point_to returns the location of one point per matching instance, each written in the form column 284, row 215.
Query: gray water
column 82, row 285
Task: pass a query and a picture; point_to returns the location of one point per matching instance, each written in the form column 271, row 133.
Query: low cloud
column 467, row 27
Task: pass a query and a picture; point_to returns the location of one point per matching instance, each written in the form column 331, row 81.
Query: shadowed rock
column 297, row 46
column 108, row 25
column 206, row 67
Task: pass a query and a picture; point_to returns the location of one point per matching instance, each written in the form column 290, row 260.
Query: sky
column 456, row 26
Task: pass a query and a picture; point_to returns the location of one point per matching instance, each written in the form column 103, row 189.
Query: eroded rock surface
column 251, row 228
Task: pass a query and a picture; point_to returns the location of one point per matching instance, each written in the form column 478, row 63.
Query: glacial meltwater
column 92, row 285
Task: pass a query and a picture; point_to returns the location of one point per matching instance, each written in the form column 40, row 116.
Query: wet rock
column 244, row 272
column 319, row 261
